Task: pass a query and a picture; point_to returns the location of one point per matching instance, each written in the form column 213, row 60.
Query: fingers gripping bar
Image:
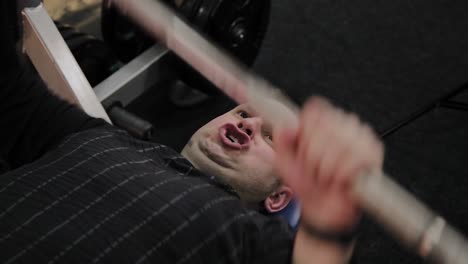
column 397, row 210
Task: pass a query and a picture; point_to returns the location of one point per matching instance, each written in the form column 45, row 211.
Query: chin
column 208, row 156
column 213, row 151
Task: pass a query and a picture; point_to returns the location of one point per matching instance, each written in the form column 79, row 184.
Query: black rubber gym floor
column 383, row 60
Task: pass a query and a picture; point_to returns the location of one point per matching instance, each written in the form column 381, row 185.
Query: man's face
column 236, row 147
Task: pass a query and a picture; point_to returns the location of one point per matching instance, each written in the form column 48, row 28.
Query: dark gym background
column 382, row 59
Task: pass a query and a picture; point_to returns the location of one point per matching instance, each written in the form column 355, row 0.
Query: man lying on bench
column 78, row 190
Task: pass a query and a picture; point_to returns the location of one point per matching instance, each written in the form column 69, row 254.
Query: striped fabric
column 102, row 196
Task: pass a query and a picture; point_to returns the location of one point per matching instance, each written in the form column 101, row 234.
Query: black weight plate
column 240, row 27
column 93, row 55
column 237, row 26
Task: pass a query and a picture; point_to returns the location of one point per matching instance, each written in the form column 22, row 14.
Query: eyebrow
column 268, row 126
column 249, row 109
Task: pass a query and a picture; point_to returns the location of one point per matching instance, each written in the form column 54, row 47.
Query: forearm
column 309, row 249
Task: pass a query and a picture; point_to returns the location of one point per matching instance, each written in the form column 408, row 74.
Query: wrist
column 308, row 248
column 342, row 238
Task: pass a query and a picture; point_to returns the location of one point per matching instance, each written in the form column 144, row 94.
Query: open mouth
column 233, row 137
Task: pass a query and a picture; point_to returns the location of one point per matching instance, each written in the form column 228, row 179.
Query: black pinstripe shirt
column 104, row 197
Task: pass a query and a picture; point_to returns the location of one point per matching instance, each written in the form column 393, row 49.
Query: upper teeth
column 233, row 139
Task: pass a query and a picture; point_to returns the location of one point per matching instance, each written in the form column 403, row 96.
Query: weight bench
column 50, row 55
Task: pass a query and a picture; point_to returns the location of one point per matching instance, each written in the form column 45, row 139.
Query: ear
column 278, row 200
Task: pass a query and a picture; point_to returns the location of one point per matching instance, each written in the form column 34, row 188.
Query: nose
column 250, row 125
